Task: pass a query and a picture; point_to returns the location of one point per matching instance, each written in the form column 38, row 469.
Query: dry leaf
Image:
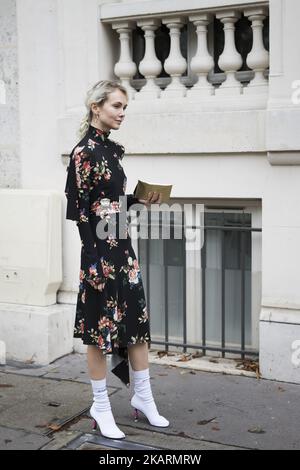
column 197, row 354
column 54, row 427
column 250, row 366
column 184, row 358
column 215, row 428
column 203, row 422
column 257, row 430
column 30, row 361
column 181, row 434
column 162, row 353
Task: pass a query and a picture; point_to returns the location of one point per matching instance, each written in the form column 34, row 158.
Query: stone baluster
column 175, row 65
column 125, row 68
column 202, row 62
column 230, row 60
column 150, row 66
column 258, row 57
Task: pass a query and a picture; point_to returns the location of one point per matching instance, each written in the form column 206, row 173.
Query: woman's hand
column 153, row 198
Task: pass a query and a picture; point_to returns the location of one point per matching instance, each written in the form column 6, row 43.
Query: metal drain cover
column 97, row 442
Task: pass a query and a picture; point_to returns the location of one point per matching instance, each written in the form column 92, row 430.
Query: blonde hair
column 97, row 94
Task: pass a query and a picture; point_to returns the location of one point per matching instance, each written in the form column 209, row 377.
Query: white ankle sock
column 101, row 411
column 143, row 399
column 142, row 387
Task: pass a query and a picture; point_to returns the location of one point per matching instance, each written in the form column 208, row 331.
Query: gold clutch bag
column 142, row 189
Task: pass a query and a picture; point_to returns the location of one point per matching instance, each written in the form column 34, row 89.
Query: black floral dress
column 111, row 310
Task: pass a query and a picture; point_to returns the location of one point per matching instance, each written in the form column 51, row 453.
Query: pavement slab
column 206, row 410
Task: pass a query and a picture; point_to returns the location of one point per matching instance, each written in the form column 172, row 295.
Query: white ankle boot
column 143, row 400
column 101, row 412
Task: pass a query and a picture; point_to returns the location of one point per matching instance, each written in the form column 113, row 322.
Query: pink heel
column 113, row 433
column 136, row 415
column 150, row 411
column 94, row 424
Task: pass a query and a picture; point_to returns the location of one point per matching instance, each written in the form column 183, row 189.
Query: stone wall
column 9, row 115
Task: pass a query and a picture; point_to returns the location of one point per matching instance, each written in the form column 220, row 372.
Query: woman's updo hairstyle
column 97, row 94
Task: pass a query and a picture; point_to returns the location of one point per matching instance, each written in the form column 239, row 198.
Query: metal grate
column 237, row 233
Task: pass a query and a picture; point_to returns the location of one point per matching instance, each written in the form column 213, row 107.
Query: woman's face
column 112, row 112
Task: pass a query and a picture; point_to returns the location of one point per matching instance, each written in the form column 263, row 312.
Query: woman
column 111, row 312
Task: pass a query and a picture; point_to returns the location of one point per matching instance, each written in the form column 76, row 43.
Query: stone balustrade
column 202, row 65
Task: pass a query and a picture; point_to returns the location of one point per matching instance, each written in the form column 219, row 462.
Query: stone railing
column 203, row 64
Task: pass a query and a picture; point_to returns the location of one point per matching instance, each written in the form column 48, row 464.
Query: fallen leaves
column 197, row 354
column 54, row 427
column 184, row 358
column 30, row 361
column 215, row 428
column 203, row 422
column 182, row 434
column 257, row 430
column 164, row 353
column 188, row 356
column 249, row 365
column 212, row 359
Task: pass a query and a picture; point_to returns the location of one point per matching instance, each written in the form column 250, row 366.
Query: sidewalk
column 45, row 408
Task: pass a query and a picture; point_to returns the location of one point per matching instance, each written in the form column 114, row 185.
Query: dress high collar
column 97, row 134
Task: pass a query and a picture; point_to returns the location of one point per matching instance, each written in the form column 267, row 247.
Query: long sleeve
column 131, row 199
column 79, row 185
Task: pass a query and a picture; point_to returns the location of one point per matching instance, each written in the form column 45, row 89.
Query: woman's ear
column 94, row 107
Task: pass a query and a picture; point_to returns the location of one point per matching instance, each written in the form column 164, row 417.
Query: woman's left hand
column 153, row 198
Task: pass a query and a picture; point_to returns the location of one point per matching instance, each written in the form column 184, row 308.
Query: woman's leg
column 96, row 363
column 138, row 356
column 142, row 399
column 101, row 409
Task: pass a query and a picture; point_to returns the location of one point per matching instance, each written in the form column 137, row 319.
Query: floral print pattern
column 111, row 311
column 133, row 271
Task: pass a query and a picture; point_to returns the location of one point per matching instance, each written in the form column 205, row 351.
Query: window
column 207, row 297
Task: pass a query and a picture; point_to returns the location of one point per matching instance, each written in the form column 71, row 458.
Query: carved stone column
column 175, row 65
column 125, row 68
column 150, row 66
column 202, row 62
column 258, row 57
column 230, row 60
